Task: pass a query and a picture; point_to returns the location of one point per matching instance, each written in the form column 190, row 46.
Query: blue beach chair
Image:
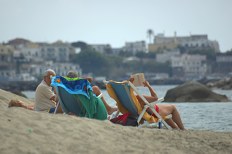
column 127, row 102
column 76, row 97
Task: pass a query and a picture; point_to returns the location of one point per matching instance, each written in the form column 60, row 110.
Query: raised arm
column 152, row 91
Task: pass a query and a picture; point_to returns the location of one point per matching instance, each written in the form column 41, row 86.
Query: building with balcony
column 166, row 56
column 6, row 54
column 57, row 52
column 190, row 67
column 223, row 64
column 60, row 68
column 162, row 42
column 135, row 47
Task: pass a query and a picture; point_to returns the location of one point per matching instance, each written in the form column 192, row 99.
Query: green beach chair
column 76, row 97
column 127, row 102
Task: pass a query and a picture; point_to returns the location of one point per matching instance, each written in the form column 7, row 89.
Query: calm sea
column 198, row 116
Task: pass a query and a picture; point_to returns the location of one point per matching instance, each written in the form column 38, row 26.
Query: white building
column 6, row 54
column 57, row 52
column 134, row 47
column 193, row 66
column 223, row 58
column 223, row 64
column 29, row 54
column 60, row 68
column 198, row 41
column 166, row 56
column 6, row 74
column 6, row 65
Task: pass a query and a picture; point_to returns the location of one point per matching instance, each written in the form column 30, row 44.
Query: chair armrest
column 100, row 96
column 157, row 101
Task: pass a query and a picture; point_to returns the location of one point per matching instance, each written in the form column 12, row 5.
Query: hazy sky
column 114, row 21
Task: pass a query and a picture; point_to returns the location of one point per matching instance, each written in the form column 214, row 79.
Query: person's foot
column 15, row 103
column 112, row 110
column 183, row 129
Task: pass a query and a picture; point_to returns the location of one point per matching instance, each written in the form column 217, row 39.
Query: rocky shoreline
column 193, row 91
column 225, row 84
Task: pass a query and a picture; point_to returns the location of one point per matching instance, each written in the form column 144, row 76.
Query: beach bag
column 126, row 120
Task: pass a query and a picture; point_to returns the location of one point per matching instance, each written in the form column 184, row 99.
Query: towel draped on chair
column 76, row 96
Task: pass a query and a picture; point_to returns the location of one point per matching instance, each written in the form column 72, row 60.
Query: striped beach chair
column 124, row 95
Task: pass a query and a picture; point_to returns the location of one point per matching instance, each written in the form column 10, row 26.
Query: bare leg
column 109, row 109
column 166, row 109
column 171, row 123
column 177, row 119
column 17, row 103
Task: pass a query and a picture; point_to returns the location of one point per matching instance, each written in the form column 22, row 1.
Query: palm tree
column 150, row 33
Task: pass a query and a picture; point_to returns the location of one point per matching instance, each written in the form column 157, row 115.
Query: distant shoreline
column 31, row 85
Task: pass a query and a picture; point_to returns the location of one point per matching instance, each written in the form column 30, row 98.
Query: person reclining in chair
column 163, row 109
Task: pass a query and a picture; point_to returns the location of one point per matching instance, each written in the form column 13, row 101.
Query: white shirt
column 43, row 93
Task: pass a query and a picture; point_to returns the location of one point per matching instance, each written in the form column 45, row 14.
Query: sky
column 114, row 22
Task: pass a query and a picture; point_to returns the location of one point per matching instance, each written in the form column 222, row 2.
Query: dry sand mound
column 25, row 131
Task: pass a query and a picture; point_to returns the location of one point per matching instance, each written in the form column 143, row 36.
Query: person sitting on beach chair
column 45, row 98
column 163, row 109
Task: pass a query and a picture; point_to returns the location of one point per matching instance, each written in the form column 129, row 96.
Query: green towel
column 94, row 106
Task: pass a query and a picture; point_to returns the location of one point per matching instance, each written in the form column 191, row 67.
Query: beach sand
column 25, row 131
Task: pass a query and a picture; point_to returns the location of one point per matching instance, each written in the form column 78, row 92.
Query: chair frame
column 148, row 105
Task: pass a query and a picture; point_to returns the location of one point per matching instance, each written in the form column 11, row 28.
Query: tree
column 140, row 54
column 150, row 35
column 229, row 52
column 93, row 62
column 157, row 67
column 79, row 44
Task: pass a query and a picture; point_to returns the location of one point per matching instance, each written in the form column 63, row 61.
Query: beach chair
column 76, row 97
column 127, row 102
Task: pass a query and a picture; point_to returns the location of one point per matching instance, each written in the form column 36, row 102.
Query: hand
column 131, row 79
column 146, row 84
column 54, row 102
column 53, row 98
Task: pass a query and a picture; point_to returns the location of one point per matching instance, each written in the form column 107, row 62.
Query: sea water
column 215, row 116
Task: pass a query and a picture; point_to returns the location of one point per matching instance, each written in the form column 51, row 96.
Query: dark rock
column 225, row 84
column 193, row 92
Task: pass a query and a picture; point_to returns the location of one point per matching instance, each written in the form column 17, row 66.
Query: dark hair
column 72, row 74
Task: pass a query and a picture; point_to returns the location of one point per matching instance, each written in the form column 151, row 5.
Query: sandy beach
column 25, row 131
